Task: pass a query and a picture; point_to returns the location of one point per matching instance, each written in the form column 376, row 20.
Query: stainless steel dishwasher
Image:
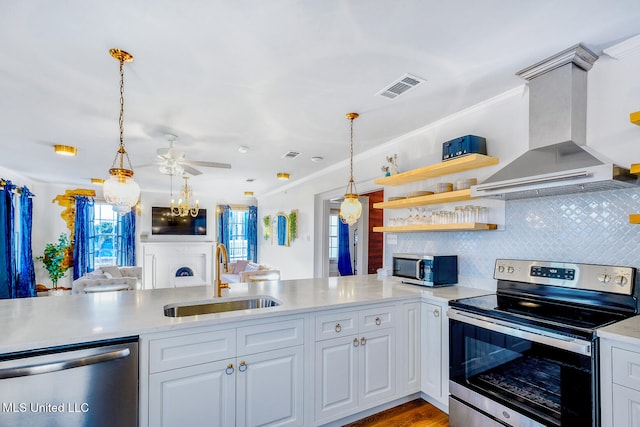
column 91, row 384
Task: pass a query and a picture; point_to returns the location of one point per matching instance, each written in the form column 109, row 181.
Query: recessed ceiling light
column 97, row 181
column 283, row 176
column 243, row 149
column 248, row 193
column 65, row 150
column 317, row 159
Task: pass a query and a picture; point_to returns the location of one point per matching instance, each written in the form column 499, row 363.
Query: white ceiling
column 272, row 75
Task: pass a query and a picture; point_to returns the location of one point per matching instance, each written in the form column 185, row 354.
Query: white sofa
column 245, row 271
column 108, row 279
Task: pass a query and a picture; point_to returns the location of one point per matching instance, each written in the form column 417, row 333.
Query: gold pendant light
column 120, row 190
column 351, row 208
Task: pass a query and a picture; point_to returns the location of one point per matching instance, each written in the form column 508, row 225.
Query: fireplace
column 168, row 264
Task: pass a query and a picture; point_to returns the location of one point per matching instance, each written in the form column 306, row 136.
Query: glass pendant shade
column 350, row 209
column 120, row 191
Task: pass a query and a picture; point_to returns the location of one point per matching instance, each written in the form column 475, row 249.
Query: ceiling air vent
column 400, row 86
column 290, row 155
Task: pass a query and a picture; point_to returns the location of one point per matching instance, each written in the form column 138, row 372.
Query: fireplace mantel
column 177, row 264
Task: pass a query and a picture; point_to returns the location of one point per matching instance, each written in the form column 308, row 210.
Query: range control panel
column 604, row 278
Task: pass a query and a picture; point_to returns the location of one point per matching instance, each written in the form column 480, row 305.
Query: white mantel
column 163, row 262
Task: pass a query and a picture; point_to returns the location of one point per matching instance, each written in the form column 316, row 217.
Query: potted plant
column 54, row 261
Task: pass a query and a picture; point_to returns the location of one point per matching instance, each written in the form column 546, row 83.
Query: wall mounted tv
column 162, row 222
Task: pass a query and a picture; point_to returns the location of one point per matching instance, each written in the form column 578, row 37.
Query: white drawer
column 193, row 349
column 377, row 318
column 270, row 336
column 626, row 368
column 336, row 324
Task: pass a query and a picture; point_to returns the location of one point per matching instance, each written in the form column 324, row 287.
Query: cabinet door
column 626, row 407
column 270, row 388
column 201, row 395
column 376, row 367
column 409, row 349
column 432, row 350
column 336, row 376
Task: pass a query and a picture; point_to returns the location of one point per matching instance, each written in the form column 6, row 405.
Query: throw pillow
column 96, row 276
column 252, row 267
column 240, row 266
column 113, row 270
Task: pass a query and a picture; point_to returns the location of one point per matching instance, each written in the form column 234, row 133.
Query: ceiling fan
column 171, row 161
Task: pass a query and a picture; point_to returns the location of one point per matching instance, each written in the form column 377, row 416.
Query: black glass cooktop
column 557, row 316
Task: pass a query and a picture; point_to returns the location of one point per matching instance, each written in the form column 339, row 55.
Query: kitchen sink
column 218, row 306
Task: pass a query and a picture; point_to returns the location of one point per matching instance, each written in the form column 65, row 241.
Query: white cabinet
column 620, row 384
column 246, row 376
column 355, row 361
column 409, row 351
column 435, row 351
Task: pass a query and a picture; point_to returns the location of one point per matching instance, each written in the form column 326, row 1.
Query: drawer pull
column 436, row 313
column 229, row 369
column 338, row 327
column 363, row 341
column 242, row 367
column 378, row 321
column 356, row 342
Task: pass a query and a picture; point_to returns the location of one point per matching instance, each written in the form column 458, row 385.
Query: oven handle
column 539, row 336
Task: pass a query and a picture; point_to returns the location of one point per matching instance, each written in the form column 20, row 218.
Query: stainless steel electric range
column 528, row 354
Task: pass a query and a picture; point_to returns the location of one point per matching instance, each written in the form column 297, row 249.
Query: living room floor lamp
column 120, row 190
column 351, row 208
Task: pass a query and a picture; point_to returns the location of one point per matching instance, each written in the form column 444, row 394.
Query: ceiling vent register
column 290, row 155
column 400, row 86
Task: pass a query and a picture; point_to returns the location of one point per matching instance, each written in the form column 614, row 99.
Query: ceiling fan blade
column 190, row 170
column 208, row 164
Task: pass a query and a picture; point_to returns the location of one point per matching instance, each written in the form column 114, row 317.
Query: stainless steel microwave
column 426, row 270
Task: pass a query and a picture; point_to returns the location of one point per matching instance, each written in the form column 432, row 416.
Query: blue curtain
column 83, row 237
column 344, row 256
column 7, row 257
column 223, row 225
column 26, row 277
column 252, row 234
column 127, row 253
column 282, row 230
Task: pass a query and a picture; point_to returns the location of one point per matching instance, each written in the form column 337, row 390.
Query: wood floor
column 416, row 413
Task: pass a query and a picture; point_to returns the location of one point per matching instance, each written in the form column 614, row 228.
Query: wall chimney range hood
column 558, row 160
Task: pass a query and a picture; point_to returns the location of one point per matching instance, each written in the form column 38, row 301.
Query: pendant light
column 120, row 190
column 351, row 208
column 184, row 208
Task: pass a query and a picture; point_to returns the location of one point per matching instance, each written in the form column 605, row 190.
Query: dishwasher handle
column 45, row 368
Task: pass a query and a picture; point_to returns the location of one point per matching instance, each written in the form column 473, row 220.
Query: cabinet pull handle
column 363, row 341
column 229, row 369
column 378, row 321
column 436, row 313
column 356, row 342
column 242, row 367
column 338, row 327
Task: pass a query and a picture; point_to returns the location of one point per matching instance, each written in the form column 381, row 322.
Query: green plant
column 267, row 227
column 54, row 258
column 293, row 225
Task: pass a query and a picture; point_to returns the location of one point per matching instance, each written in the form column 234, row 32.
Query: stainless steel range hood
column 558, row 160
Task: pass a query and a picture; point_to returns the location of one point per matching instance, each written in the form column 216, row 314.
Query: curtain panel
column 344, row 256
column 26, row 276
column 252, row 234
column 83, row 237
column 127, row 253
column 223, row 224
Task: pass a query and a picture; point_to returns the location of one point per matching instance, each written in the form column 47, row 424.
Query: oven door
column 518, row 375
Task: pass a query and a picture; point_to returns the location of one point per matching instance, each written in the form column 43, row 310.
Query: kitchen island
column 329, row 338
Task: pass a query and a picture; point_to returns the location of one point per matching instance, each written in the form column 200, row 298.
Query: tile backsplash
column 585, row 227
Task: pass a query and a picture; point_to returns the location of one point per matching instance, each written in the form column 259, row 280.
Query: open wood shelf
column 466, row 226
column 460, row 164
column 432, row 199
column 634, row 219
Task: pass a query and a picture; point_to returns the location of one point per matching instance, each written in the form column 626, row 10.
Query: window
column 106, row 239
column 333, row 237
column 238, row 241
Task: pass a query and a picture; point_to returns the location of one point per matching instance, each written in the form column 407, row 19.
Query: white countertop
column 31, row 323
column 627, row 331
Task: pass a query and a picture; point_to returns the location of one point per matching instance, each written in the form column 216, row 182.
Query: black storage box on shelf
column 468, row 144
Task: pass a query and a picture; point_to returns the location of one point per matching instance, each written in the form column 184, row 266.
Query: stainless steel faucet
column 221, row 251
